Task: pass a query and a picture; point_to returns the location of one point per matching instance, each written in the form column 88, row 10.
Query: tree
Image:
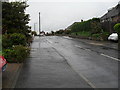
column 14, row 18
column 52, row 32
column 33, row 33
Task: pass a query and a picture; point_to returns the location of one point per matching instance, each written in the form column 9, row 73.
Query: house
column 111, row 18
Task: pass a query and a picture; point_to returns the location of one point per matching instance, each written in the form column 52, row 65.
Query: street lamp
column 39, row 23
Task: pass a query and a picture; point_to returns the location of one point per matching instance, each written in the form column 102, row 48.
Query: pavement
column 10, row 76
column 46, row 68
column 64, row 62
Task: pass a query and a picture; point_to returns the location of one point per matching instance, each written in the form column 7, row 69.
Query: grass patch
column 83, row 33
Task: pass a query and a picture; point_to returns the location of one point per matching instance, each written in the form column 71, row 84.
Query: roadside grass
column 83, row 33
column 96, row 36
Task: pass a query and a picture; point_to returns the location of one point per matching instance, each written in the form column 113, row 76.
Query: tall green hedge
column 17, row 54
column 92, row 25
column 8, row 40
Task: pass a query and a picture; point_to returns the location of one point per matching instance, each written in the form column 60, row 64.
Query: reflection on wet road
column 63, row 62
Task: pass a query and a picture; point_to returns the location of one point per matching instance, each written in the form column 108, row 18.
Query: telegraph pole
column 39, row 23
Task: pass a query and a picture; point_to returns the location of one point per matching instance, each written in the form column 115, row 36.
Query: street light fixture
column 39, row 23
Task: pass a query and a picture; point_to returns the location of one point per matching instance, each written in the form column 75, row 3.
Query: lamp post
column 39, row 23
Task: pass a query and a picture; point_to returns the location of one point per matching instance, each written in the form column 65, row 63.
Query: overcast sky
column 59, row 14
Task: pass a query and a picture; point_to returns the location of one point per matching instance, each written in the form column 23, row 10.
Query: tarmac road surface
column 63, row 62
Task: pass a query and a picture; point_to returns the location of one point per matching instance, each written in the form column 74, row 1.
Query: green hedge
column 17, row 54
column 91, row 25
column 8, row 40
column 18, row 39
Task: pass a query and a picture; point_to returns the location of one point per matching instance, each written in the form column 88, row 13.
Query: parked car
column 113, row 37
column 3, row 63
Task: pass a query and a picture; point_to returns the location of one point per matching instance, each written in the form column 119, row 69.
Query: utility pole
column 39, row 23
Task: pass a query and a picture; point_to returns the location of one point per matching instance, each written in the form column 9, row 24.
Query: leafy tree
column 59, row 31
column 33, row 33
column 14, row 18
column 52, row 32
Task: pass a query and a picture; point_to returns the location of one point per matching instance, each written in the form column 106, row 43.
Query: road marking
column 78, row 46
column 82, row 48
column 93, row 86
column 67, row 37
column 100, row 54
column 110, row 57
column 49, row 41
column 81, row 75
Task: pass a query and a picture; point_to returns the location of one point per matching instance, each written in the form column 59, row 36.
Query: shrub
column 9, row 55
column 18, row 39
column 29, row 39
column 17, row 54
column 6, row 42
column 96, row 35
column 34, row 33
column 117, row 27
column 104, row 35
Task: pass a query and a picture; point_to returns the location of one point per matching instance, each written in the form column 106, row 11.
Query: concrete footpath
column 11, row 74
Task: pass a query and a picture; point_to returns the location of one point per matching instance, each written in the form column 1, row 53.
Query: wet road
column 62, row 62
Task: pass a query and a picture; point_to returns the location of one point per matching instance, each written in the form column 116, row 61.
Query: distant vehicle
column 113, row 37
column 3, row 63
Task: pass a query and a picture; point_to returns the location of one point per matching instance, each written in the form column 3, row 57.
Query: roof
column 115, row 11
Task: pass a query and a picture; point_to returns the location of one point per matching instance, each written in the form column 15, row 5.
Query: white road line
column 49, row 41
column 78, row 46
column 82, row 48
column 67, row 37
column 100, row 54
column 93, row 86
column 81, row 75
column 110, row 57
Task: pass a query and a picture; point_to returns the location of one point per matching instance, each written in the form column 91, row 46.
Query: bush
column 34, row 33
column 96, row 36
column 17, row 54
column 105, row 35
column 18, row 39
column 29, row 39
column 117, row 28
column 6, row 41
